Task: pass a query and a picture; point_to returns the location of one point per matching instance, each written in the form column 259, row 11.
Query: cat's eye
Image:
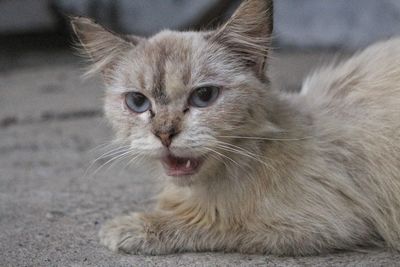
column 204, row 96
column 137, row 102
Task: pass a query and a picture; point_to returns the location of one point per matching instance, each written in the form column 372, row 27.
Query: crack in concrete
column 50, row 116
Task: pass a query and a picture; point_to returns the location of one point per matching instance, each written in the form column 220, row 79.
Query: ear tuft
column 248, row 32
column 102, row 46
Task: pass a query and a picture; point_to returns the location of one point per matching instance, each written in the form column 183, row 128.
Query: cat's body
column 288, row 174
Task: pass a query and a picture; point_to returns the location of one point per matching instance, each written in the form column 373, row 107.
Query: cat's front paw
column 132, row 234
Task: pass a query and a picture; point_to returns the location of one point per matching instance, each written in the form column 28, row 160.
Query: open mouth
column 177, row 166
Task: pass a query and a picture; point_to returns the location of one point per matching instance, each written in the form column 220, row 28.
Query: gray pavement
column 51, row 208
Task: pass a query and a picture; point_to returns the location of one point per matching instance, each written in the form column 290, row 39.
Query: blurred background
column 30, row 30
column 54, row 195
column 300, row 23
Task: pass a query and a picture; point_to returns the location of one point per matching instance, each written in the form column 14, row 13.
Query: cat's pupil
column 204, row 94
column 139, row 100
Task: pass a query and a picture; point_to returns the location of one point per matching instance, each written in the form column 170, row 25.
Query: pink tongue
column 179, row 166
column 179, row 163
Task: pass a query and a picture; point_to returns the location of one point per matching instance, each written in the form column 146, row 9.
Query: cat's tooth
column 188, row 163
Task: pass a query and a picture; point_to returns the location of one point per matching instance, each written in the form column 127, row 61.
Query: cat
column 251, row 168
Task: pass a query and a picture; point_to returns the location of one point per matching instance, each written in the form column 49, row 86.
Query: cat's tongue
column 175, row 166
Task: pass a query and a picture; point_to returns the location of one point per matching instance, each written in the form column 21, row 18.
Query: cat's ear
column 102, row 46
column 248, row 33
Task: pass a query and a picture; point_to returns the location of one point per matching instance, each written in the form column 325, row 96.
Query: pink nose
column 166, row 137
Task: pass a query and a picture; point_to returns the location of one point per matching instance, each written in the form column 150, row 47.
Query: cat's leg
column 179, row 224
column 133, row 234
column 163, row 233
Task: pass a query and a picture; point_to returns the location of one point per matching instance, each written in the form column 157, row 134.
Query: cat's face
column 176, row 96
column 179, row 98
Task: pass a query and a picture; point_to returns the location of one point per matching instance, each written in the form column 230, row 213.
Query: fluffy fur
column 287, row 174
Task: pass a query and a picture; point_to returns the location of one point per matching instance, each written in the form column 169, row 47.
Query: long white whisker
column 266, row 138
column 103, row 146
column 111, row 160
column 112, row 153
column 218, row 158
column 133, row 159
column 105, row 155
column 122, row 158
column 242, row 153
column 222, row 155
column 236, row 147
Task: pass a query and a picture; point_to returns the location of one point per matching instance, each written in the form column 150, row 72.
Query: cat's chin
column 181, row 166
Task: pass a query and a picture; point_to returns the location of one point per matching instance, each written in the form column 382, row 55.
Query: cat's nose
column 166, row 137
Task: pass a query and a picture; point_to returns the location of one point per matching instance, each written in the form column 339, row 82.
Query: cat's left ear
column 103, row 47
column 248, row 32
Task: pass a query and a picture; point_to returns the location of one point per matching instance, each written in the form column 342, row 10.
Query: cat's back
column 355, row 107
column 362, row 92
column 370, row 75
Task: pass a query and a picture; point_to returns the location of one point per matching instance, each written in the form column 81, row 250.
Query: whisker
column 242, row 154
column 116, row 161
column 266, row 138
column 111, row 160
column 218, row 158
column 105, row 155
column 133, row 159
column 236, row 147
column 103, row 146
column 222, row 155
column 240, row 151
column 113, row 152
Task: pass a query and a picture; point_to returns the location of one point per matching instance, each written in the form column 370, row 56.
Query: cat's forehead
column 169, row 64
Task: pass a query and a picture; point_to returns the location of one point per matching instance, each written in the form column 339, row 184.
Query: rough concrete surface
column 51, row 209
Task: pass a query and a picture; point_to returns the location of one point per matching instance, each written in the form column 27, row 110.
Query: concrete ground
column 51, row 207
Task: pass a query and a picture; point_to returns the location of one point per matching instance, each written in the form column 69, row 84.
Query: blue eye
column 137, row 102
column 204, row 96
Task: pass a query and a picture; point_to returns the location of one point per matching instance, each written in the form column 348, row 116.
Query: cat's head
column 181, row 97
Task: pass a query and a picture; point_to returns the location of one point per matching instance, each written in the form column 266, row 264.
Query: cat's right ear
column 247, row 34
column 102, row 46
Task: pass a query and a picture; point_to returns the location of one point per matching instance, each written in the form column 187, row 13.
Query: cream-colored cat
column 252, row 169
